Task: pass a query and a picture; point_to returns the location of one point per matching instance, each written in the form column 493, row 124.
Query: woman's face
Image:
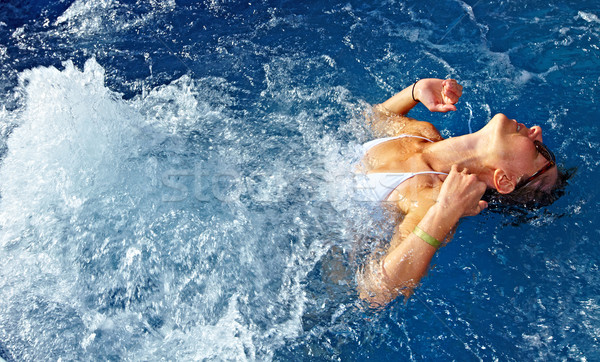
column 514, row 144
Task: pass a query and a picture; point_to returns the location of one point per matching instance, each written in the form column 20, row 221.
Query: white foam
column 589, row 17
column 92, row 17
column 70, row 133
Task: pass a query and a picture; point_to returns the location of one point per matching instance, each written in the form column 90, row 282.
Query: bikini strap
column 428, row 172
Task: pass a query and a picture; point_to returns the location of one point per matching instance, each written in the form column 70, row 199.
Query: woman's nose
column 535, row 133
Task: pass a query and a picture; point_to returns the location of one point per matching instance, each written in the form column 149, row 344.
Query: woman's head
column 516, row 153
column 525, row 171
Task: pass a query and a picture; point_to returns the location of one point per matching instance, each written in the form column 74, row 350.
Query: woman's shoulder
column 421, row 129
column 387, row 124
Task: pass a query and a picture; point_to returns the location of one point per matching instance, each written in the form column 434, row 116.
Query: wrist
column 414, row 97
column 444, row 217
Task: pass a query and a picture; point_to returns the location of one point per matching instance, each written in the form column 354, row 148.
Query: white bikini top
column 377, row 186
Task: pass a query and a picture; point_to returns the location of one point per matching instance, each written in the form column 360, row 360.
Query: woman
column 434, row 182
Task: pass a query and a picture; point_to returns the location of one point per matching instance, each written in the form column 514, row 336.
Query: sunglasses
column 548, row 155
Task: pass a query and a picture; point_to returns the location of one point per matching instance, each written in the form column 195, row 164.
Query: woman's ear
column 504, row 182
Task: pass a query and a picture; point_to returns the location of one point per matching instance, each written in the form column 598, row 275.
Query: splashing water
column 138, row 237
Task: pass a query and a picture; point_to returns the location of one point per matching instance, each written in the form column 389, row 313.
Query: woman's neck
column 469, row 151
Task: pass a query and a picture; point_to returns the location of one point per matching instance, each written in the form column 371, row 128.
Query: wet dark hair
column 531, row 196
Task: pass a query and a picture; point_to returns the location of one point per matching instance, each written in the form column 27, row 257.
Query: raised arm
column 438, row 95
column 407, row 260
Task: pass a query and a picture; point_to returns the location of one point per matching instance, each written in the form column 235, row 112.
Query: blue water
column 174, row 180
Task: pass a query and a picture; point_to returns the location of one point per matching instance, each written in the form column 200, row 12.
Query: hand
column 438, row 95
column 461, row 193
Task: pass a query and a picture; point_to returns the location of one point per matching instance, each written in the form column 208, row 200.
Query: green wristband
column 426, row 237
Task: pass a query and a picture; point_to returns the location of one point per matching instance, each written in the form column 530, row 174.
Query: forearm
column 407, row 260
column 402, row 102
column 404, row 266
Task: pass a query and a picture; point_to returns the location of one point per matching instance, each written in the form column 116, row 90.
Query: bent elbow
column 373, row 288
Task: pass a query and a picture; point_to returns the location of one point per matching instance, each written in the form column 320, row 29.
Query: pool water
column 175, row 180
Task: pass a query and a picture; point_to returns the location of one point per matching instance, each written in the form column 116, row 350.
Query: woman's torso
column 397, row 170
